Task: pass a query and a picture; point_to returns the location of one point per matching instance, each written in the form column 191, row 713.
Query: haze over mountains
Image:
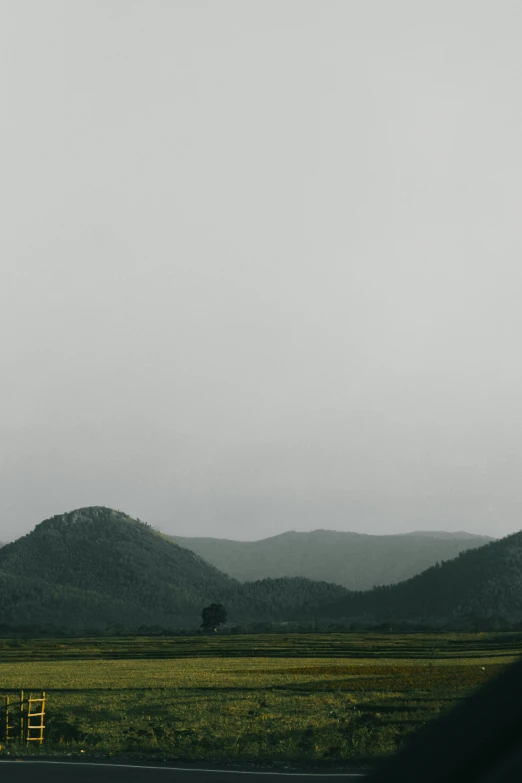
column 96, row 568
column 354, row 560
column 480, row 583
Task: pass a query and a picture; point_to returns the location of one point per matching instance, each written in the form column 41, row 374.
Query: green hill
column 354, row 560
column 99, row 565
column 481, row 583
column 95, row 567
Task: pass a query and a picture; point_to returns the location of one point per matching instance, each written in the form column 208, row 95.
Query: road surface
column 21, row 771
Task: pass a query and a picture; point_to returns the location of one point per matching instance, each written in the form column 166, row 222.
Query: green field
column 330, row 697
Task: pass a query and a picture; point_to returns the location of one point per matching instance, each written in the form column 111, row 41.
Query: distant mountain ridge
column 96, row 568
column 357, row 561
column 460, row 534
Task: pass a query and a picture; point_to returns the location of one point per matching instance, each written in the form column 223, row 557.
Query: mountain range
column 96, row 568
column 354, row 560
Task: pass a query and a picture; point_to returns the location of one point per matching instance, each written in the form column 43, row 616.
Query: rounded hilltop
column 89, row 513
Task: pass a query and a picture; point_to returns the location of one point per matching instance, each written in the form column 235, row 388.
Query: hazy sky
column 261, row 264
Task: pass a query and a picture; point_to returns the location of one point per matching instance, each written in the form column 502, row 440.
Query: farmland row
column 351, row 645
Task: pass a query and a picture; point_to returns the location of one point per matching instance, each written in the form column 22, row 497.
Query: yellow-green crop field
column 250, row 705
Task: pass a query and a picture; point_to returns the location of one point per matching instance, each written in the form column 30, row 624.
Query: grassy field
column 296, row 645
column 323, row 698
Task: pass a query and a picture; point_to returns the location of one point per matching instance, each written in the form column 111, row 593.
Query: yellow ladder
column 8, row 727
column 38, row 726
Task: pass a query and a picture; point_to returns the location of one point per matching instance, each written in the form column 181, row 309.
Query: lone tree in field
column 213, row 615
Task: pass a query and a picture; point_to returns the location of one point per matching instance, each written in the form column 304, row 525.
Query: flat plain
column 280, row 697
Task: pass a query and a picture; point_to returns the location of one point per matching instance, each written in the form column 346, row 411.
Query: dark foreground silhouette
column 480, row 741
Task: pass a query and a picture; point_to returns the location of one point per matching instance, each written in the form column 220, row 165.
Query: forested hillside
column 354, row 560
column 96, row 567
column 481, row 583
column 103, row 560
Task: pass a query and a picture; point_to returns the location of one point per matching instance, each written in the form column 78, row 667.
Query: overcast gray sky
column 261, row 264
